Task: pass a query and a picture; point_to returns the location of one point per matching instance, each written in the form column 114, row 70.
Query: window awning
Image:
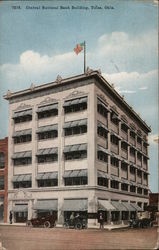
column 124, row 181
column 47, row 128
column 105, row 205
column 99, row 102
column 20, row 208
column 47, row 108
column 115, row 178
column 76, row 147
column 101, row 149
column 128, row 206
column 22, row 132
column 75, row 205
column 47, row 176
column 76, row 173
column 116, row 135
column 102, row 174
column 46, row 205
column 75, row 101
column 101, row 125
column 22, row 177
column 22, row 113
column 119, row 206
column 76, row 123
column 137, row 208
column 47, row 151
column 26, row 154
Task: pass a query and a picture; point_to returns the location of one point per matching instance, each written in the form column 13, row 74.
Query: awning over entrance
column 47, row 108
column 137, row 208
column 46, row 205
column 129, row 206
column 105, row 205
column 47, row 176
column 75, row 205
column 20, row 208
column 119, row 206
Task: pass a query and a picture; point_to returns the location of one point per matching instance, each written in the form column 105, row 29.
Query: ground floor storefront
column 25, row 205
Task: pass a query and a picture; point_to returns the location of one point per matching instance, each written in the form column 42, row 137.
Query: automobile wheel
column 140, row 225
column 78, row 225
column 29, row 223
column 65, row 225
column 47, row 224
column 151, row 224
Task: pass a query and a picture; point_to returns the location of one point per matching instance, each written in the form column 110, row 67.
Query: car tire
column 65, row 225
column 47, row 224
column 140, row 225
column 78, row 226
column 151, row 224
column 29, row 223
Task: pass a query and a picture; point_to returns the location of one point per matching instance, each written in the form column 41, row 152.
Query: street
column 24, row 238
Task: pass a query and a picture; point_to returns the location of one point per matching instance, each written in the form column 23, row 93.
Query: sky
column 37, row 39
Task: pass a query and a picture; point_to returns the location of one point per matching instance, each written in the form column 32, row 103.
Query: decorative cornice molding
column 22, row 195
column 88, row 71
column 75, row 93
column 58, row 79
column 32, row 86
column 48, row 100
column 23, row 106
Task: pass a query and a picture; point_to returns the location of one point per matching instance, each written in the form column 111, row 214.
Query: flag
column 79, row 48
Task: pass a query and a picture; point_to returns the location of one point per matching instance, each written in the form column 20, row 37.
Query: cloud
column 153, row 139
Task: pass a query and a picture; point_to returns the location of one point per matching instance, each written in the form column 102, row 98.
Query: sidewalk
column 107, row 227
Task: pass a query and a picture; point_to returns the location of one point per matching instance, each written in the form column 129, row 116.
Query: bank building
column 75, row 145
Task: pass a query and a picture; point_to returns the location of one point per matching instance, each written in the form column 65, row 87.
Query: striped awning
column 47, row 176
column 101, row 149
column 75, row 205
column 22, row 113
column 128, row 206
column 20, row 208
column 125, row 181
column 76, row 147
column 22, row 132
column 75, row 173
column 75, row 101
column 115, row 178
column 47, row 151
column 119, row 206
column 22, row 177
column 105, row 205
column 76, row 123
column 101, row 125
column 53, row 127
column 137, row 208
column 102, row 174
column 47, row 108
column 46, row 205
column 26, row 154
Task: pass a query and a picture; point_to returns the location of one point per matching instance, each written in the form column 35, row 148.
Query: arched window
column 2, row 160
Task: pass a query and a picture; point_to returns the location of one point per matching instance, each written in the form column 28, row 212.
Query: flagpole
column 84, row 57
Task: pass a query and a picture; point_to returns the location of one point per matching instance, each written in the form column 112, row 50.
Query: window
column 102, row 109
column 22, row 161
column 23, row 138
column 75, row 105
column 114, row 118
column 124, row 166
column 114, row 162
column 76, row 181
column 132, row 170
column 24, row 118
column 145, row 192
column 115, row 184
column 145, row 160
column 125, row 215
column 139, row 140
column 47, row 113
column 47, row 158
column 23, row 184
column 132, row 189
column 102, row 156
column 2, row 160
column 124, row 186
column 48, row 135
column 75, row 130
column 114, row 139
column 75, row 155
column 139, row 173
column 145, row 176
column 124, row 146
column 124, row 128
column 102, row 181
column 139, row 190
column 1, row 182
column 132, row 151
column 132, row 134
column 102, row 132
column 48, row 183
column 139, row 156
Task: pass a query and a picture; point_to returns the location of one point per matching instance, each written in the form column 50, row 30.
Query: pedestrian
column 101, row 221
column 10, row 217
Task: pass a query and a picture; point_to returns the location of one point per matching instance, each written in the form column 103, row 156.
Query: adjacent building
column 76, row 145
column 3, row 179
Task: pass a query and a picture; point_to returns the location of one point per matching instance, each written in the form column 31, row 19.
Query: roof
column 88, row 75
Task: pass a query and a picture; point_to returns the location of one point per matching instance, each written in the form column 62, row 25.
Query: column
column 60, row 219
column 34, row 147
column 61, row 143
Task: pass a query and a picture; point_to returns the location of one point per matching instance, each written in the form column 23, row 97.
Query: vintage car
column 143, row 220
column 45, row 221
column 77, row 223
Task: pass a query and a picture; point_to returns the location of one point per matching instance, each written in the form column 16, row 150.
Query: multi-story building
column 3, row 179
column 76, row 145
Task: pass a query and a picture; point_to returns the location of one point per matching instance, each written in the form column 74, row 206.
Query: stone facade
column 113, row 130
